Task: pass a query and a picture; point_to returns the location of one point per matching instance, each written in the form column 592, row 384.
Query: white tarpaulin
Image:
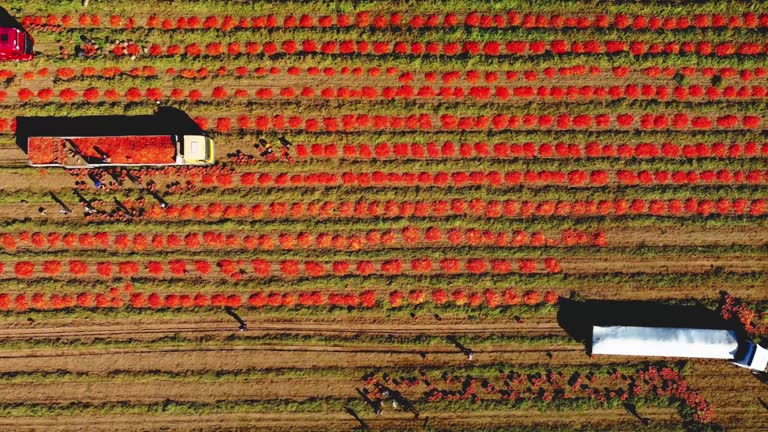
column 665, row 342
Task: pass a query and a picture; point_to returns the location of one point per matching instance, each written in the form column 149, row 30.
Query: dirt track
column 152, row 331
column 158, row 391
column 99, row 385
column 616, row 418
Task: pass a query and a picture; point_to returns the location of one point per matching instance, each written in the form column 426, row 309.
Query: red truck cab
column 15, row 44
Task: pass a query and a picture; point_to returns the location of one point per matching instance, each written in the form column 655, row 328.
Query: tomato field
column 454, row 172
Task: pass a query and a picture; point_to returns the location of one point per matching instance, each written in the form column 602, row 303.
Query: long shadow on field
column 231, row 312
column 166, row 121
column 375, row 405
column 578, row 317
column 765, row 405
column 9, row 21
column 363, row 424
column 632, row 409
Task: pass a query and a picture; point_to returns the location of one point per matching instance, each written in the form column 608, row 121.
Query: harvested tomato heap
column 120, row 150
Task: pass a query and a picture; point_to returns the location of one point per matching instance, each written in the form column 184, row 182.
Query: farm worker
column 285, row 154
column 240, row 321
column 159, row 199
column 89, row 48
column 267, row 150
column 96, row 182
column 286, row 144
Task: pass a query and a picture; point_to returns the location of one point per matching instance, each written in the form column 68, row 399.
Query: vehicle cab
column 15, row 44
column 194, row 150
column 752, row 356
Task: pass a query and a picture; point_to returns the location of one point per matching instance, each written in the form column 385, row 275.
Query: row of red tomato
column 722, row 176
column 460, row 297
column 372, row 238
column 424, row 121
column 92, row 94
column 138, row 300
column 406, row 92
column 410, row 235
column 492, row 178
column 581, row 121
column 367, row 19
column 69, row 73
column 571, row 178
column 286, row 268
column 292, row 268
column 78, row 268
column 646, row 92
column 530, row 150
column 476, row 207
column 550, row 72
column 435, row 48
column 471, row 76
column 366, row 299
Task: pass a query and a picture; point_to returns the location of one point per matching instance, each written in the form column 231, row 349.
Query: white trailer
column 679, row 342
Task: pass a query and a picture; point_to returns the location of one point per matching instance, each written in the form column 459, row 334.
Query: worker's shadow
column 578, row 317
column 763, row 378
column 165, row 121
column 632, row 409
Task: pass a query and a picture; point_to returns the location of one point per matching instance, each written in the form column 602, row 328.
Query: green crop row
column 241, row 342
column 208, row 7
column 381, row 194
column 311, row 405
column 616, row 253
column 709, row 282
column 548, row 225
column 439, row 64
column 439, row 34
column 338, row 108
column 239, row 375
